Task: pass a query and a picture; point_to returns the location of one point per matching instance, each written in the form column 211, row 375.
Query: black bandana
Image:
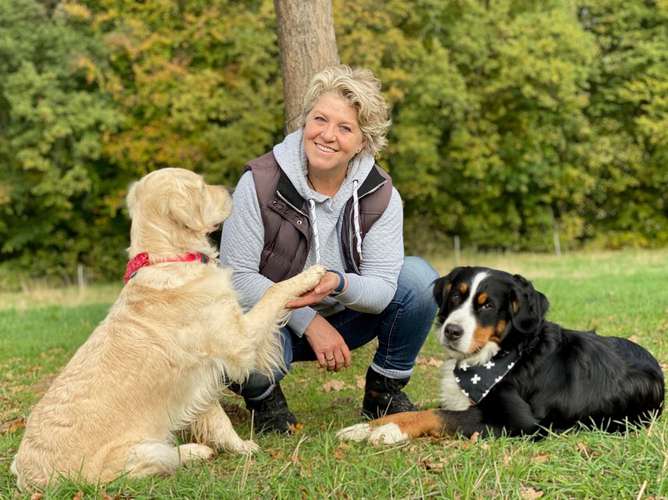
column 476, row 381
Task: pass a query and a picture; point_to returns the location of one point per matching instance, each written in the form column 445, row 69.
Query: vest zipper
column 291, row 205
column 351, row 236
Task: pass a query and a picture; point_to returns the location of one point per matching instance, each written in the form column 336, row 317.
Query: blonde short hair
column 362, row 89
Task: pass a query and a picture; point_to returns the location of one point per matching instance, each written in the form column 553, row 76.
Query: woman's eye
column 346, row 129
column 319, row 119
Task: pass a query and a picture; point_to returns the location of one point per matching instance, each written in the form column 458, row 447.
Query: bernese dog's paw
column 357, row 432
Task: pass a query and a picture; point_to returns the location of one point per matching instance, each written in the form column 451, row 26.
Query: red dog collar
column 142, row 259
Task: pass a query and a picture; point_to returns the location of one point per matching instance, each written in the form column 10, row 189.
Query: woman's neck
column 326, row 184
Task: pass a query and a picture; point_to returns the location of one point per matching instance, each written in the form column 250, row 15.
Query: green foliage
column 198, row 83
column 53, row 118
column 512, row 119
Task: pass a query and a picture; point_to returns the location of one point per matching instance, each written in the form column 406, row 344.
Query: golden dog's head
column 173, row 210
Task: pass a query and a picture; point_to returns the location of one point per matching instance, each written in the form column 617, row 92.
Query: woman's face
column 332, row 135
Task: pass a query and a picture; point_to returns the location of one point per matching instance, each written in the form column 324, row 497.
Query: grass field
column 623, row 294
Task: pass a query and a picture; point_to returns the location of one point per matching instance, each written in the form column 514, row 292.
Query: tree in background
column 53, row 115
column 628, row 114
column 511, row 119
column 308, row 44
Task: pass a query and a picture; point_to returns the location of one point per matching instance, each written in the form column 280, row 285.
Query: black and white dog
column 510, row 371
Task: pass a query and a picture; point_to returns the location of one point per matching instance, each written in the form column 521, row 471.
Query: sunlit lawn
column 624, row 294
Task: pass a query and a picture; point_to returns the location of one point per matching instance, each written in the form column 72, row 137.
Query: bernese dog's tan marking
column 553, row 378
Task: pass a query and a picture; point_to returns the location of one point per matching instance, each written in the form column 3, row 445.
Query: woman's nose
column 328, row 133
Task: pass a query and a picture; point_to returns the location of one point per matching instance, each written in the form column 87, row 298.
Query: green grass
column 621, row 294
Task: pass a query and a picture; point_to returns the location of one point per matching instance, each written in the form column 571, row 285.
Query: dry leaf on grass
column 78, row 496
column 340, row 451
column 334, row 385
column 583, row 449
column 528, row 493
column 540, row 458
column 431, row 465
column 428, row 361
column 12, row 425
column 36, row 496
column 506, row 458
column 360, row 382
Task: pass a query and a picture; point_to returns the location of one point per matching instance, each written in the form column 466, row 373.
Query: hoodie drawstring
column 314, row 229
column 356, row 219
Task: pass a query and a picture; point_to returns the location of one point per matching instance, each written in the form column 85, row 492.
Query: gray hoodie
column 382, row 249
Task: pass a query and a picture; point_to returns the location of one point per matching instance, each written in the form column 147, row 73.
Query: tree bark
column 307, row 44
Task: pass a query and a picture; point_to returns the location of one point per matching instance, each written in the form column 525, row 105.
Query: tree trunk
column 308, row 44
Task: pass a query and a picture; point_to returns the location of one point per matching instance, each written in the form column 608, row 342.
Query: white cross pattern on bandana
column 477, row 381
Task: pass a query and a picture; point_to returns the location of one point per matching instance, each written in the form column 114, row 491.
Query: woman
column 319, row 197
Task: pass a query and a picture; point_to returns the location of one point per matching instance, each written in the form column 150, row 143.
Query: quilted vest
column 287, row 228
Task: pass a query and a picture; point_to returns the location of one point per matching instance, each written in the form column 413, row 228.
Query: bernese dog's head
column 481, row 310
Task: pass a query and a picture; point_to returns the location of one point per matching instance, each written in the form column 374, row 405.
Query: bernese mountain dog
column 509, row 371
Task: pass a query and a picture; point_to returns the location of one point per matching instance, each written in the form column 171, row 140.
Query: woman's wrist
column 341, row 286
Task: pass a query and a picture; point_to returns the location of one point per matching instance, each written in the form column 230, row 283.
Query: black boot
column 271, row 414
column 383, row 396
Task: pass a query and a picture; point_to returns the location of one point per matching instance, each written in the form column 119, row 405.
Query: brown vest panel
column 287, row 228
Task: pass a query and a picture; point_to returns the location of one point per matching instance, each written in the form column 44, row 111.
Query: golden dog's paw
column 314, row 274
column 307, row 279
column 194, row 451
column 244, row 447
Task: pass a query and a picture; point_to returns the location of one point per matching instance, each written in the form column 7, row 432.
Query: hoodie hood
column 291, row 157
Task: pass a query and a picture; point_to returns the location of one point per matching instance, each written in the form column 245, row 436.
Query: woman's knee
column 416, row 282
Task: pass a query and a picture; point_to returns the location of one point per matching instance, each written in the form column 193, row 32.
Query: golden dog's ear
column 186, row 210
column 131, row 198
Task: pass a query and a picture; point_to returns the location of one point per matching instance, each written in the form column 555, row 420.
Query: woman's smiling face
column 332, row 135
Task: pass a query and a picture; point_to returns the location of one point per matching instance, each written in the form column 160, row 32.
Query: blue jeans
column 401, row 329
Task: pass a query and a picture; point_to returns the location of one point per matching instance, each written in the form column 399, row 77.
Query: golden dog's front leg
column 214, row 428
column 270, row 310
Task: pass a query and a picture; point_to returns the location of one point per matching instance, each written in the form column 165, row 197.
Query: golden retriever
column 155, row 364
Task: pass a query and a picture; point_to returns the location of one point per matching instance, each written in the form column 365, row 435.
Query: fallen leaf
column 528, row 493
column 340, row 452
column 334, row 385
column 360, row 382
column 78, row 496
column 540, row 458
column 432, row 466
column 583, row 449
column 429, row 361
column 12, row 425
column 36, row 496
column 506, row 458
column 474, row 437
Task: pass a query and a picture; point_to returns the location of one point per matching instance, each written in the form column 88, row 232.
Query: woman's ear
column 527, row 306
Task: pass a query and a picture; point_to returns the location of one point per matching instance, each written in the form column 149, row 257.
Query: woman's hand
column 326, row 286
column 327, row 344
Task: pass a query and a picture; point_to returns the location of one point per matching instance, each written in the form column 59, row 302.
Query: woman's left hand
column 326, row 286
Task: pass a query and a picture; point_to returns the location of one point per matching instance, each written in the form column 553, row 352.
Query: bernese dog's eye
column 455, row 298
column 489, row 305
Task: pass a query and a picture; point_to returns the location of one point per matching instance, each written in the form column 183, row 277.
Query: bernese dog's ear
column 527, row 306
column 442, row 285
